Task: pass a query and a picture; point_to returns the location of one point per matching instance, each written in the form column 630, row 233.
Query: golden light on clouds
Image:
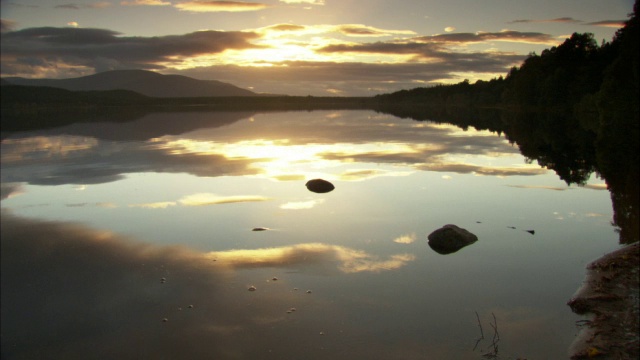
column 220, row 6
column 203, row 199
column 405, row 239
column 346, row 259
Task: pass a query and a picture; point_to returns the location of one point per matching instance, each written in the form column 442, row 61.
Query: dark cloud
column 363, row 30
column 558, row 20
column 42, row 158
column 482, row 37
column 217, row 6
column 74, row 6
column 94, row 48
column 68, row 6
column 358, row 79
column 603, row 23
column 285, row 27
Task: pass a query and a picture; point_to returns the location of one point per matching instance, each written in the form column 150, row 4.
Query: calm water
column 108, row 229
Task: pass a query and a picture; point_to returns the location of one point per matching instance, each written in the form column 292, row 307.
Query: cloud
column 220, row 6
column 355, row 78
column 155, row 205
column 285, row 27
column 216, row 151
column 450, row 29
column 312, row 2
column 604, row 23
column 73, row 6
column 483, row 37
column 72, row 24
column 289, row 177
column 556, row 20
column 540, row 187
column 323, row 67
column 405, row 239
column 365, row 174
column 47, row 165
column 346, row 260
column 616, row 24
column 368, row 31
column 301, row 205
column 204, row 199
column 145, row 3
column 30, row 50
column 462, row 168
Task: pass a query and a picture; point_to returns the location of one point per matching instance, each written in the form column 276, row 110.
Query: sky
column 296, row 47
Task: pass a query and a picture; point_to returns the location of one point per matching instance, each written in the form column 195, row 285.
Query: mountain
column 144, row 82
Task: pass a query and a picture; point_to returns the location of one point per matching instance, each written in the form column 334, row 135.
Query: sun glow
column 282, row 160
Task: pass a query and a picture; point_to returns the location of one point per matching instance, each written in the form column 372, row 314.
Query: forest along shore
column 610, row 298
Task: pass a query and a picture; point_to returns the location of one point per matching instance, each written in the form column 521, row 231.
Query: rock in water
column 319, row 186
column 450, row 238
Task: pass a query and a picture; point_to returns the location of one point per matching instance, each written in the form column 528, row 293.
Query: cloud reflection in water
column 345, row 259
column 76, row 293
column 281, row 148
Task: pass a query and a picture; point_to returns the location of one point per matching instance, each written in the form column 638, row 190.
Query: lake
column 192, row 235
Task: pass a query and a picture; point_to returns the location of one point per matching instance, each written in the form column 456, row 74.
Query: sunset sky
column 296, row 47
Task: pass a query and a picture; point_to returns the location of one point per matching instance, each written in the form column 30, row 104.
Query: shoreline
column 610, row 298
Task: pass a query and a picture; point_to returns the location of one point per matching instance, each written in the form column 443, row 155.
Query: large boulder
column 450, row 238
column 319, row 186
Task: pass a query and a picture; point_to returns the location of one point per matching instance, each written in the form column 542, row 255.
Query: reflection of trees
column 555, row 141
column 560, row 141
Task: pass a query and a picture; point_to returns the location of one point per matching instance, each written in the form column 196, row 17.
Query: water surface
column 110, row 231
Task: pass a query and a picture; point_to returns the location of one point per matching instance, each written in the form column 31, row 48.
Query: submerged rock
column 319, row 186
column 450, row 238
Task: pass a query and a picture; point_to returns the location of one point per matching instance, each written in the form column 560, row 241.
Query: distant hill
column 144, row 82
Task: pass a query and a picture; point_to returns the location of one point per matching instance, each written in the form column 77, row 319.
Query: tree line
column 579, row 74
